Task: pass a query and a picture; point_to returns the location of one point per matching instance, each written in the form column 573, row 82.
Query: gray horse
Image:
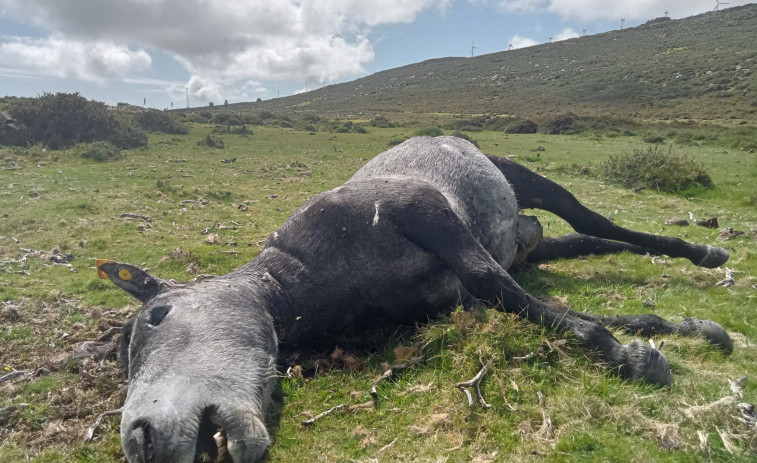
column 427, row 226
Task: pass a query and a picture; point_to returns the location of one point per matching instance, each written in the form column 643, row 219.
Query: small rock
column 10, row 313
column 708, row 223
column 677, row 221
column 213, row 238
column 728, row 234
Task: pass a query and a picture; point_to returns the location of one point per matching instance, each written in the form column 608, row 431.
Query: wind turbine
column 718, row 3
column 622, row 23
column 510, row 46
column 472, row 47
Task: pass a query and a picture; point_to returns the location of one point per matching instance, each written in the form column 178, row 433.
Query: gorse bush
column 61, row 120
column 212, row 142
column 429, row 132
column 560, row 125
column 657, row 169
column 346, row 127
column 526, row 126
column 161, row 121
column 654, row 139
column 382, row 122
column 100, row 151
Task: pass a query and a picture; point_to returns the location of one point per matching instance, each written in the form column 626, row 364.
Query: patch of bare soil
column 59, row 358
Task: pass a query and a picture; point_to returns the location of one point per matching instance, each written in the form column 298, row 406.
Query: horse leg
column 649, row 325
column 534, row 191
column 577, row 244
column 429, row 222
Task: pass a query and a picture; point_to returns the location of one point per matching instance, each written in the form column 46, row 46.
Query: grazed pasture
column 555, row 405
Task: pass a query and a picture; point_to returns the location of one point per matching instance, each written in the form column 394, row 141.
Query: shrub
column 127, row 134
column 61, row 120
column 161, row 121
column 383, row 123
column 522, row 127
column 655, row 139
column 395, row 141
column 429, row 132
column 100, row 151
column 560, row 125
column 211, row 141
column 235, row 129
column 656, row 169
column 348, row 127
column 475, row 124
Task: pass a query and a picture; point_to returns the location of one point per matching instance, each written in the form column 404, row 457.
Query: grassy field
column 557, row 405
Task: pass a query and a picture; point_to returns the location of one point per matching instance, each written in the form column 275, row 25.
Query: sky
column 158, row 52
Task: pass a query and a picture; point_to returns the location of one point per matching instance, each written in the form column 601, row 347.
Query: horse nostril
column 211, row 438
column 149, row 449
column 141, row 446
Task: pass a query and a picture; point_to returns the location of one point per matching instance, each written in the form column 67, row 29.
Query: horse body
column 422, row 228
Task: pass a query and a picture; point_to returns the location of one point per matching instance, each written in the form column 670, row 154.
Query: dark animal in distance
column 422, row 228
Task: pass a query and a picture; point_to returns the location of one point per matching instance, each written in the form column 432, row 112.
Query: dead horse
column 428, row 225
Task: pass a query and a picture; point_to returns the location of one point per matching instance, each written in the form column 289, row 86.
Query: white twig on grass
column 91, row 431
column 728, row 281
column 394, row 369
column 547, row 429
column 317, row 417
column 345, row 407
column 13, row 375
column 736, row 386
column 475, row 383
column 388, row 445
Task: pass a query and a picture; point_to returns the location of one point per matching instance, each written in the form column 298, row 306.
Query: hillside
column 701, row 67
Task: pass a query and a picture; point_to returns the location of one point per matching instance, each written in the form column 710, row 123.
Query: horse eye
column 157, row 314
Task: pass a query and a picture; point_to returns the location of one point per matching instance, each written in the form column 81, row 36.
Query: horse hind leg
column 577, row 245
column 534, row 191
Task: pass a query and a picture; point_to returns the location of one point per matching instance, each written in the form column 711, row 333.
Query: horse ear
column 131, row 279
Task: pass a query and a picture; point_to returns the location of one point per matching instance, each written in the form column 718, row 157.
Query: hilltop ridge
column 700, row 67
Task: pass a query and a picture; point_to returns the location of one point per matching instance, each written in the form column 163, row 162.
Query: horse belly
column 476, row 190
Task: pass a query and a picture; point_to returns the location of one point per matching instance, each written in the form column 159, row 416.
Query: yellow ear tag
column 100, row 273
column 124, row 274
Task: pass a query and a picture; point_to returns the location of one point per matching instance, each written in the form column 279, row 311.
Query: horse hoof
column 713, row 258
column 709, row 330
column 647, row 363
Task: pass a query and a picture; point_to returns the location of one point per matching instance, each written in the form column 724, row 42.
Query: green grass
column 61, row 200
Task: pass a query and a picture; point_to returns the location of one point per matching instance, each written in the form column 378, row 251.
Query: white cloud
column 221, row 44
column 567, row 33
column 515, row 6
column 93, row 62
column 522, row 42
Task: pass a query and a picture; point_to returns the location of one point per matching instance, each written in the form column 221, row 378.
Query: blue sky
column 240, row 50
